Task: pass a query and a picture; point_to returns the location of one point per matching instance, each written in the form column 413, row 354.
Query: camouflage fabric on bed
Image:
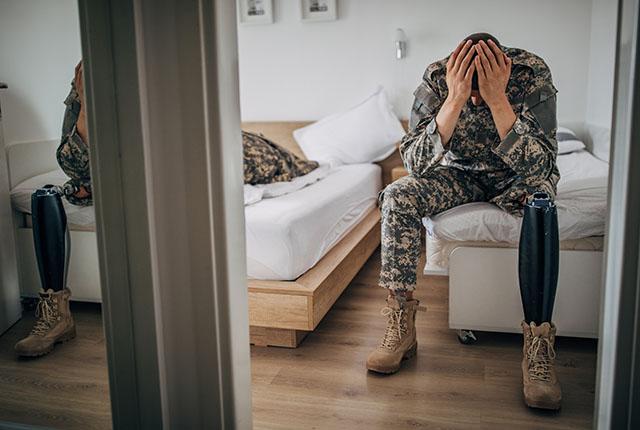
column 266, row 162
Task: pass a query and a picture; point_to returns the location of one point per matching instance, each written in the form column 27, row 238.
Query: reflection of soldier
column 54, row 322
column 482, row 129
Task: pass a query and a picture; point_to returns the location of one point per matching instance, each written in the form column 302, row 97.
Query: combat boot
column 399, row 340
column 54, row 324
column 540, row 384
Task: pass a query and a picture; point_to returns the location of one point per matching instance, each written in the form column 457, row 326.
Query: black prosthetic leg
column 50, row 237
column 538, row 259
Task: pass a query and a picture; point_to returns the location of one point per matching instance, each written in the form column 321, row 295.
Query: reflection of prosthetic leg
column 54, row 322
column 538, row 264
column 50, row 237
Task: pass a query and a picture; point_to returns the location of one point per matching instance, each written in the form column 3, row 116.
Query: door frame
column 618, row 380
column 164, row 121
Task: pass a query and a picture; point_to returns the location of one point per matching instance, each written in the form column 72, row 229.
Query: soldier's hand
column 494, row 70
column 460, row 70
column 78, row 82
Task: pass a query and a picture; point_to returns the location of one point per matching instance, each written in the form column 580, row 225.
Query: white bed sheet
column 581, row 203
column 287, row 235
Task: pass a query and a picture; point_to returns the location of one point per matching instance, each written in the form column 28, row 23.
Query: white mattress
column 581, row 203
column 287, row 235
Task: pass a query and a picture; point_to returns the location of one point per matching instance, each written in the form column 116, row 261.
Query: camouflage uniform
column 476, row 166
column 73, row 153
column 265, row 162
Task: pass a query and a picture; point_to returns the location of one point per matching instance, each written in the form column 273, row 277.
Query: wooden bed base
column 281, row 313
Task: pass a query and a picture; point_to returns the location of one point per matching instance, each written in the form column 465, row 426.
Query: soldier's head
column 476, row 98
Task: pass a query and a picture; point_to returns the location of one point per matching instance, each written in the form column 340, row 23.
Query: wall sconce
column 401, row 44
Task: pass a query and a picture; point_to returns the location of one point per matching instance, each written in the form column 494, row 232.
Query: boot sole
column 543, row 405
column 410, row 353
column 65, row 337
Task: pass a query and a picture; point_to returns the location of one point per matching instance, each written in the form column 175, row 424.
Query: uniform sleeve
column 422, row 146
column 530, row 148
column 73, row 154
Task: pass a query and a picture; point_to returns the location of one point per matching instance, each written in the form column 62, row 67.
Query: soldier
column 482, row 128
column 54, row 323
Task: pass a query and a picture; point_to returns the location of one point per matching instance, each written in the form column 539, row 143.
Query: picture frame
column 255, row 12
column 318, row 10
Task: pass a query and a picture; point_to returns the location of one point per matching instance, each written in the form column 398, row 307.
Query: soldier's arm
column 73, row 152
column 530, row 147
column 422, row 143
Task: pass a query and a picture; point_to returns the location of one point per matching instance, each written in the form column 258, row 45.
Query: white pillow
column 567, row 146
column 366, row 133
column 568, row 141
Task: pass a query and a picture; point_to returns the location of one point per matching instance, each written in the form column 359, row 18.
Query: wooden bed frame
column 281, row 313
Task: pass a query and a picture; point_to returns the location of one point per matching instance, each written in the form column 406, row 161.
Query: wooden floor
column 67, row 389
column 323, row 384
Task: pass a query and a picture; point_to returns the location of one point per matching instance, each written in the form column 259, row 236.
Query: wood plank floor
column 67, row 389
column 323, row 384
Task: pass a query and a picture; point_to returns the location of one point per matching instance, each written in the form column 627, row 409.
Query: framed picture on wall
column 255, row 11
column 318, row 10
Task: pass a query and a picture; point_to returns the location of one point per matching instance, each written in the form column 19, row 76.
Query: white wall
column 291, row 70
column 601, row 75
column 39, row 48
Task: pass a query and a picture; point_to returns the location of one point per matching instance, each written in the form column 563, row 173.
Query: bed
column 296, row 273
column 475, row 245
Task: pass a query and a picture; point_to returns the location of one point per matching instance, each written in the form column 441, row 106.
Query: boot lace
column 540, row 355
column 46, row 314
column 396, row 327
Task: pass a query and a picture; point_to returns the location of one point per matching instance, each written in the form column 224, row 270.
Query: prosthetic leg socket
column 50, row 237
column 538, row 259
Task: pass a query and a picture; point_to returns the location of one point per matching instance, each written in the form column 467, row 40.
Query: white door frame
column 164, row 121
column 618, row 386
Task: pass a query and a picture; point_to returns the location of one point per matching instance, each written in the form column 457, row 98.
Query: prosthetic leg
column 54, row 323
column 538, row 264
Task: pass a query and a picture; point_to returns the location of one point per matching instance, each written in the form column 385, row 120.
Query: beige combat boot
column 399, row 341
column 540, row 383
column 54, row 324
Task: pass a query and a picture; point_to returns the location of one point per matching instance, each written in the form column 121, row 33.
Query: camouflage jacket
column 266, row 162
column 525, row 159
column 73, row 153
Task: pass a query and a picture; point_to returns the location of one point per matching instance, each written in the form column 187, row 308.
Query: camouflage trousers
column 406, row 201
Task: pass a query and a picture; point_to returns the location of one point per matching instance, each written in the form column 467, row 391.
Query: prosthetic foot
column 540, row 383
column 399, row 340
column 538, row 263
column 54, row 323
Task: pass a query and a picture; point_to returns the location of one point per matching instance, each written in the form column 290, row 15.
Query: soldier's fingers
column 507, row 62
column 461, row 55
column 489, row 55
column 480, row 68
column 497, row 52
column 464, row 65
column 484, row 61
column 454, row 54
column 470, row 70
